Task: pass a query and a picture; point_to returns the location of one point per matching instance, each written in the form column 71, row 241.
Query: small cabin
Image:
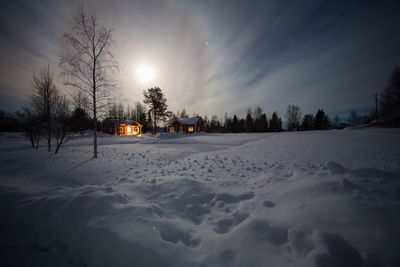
column 129, row 128
column 186, row 125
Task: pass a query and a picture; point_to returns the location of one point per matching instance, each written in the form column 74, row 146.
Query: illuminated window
column 128, row 129
column 190, row 129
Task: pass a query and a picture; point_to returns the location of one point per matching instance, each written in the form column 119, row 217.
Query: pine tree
column 280, row 128
column 321, row 121
column 242, row 125
column 308, row 122
column 249, row 124
column 274, row 123
column 235, row 124
column 155, row 98
column 183, row 114
column 263, row 123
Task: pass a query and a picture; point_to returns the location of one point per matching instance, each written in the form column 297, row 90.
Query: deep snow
column 329, row 198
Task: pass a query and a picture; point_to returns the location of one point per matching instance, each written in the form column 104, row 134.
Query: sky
column 212, row 57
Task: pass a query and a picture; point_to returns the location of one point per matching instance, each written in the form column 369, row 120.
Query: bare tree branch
column 87, row 62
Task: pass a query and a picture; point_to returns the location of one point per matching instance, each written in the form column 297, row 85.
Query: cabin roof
column 130, row 122
column 188, row 121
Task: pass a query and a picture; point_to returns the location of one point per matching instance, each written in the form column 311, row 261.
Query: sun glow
column 145, row 73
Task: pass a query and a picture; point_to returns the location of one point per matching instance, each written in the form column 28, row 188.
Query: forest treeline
column 84, row 102
column 74, row 114
column 52, row 118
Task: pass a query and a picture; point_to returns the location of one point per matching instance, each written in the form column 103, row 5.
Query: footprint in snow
column 268, row 204
column 226, row 225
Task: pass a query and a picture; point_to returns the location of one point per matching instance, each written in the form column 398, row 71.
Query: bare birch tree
column 293, row 116
column 44, row 100
column 61, row 118
column 88, row 62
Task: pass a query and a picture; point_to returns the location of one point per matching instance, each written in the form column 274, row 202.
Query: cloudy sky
column 218, row 56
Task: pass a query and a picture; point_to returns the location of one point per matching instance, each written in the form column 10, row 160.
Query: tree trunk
column 48, row 133
column 94, row 111
column 59, row 143
column 32, row 139
column 94, row 127
column 48, row 127
column 155, row 121
column 49, row 141
column 37, row 142
column 48, row 110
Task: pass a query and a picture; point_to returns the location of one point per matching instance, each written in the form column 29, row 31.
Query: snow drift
column 291, row 199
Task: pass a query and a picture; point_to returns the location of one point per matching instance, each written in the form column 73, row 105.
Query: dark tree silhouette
column 390, row 99
column 249, row 123
column 88, row 61
column 206, row 123
column 157, row 102
column 61, row 121
column 321, row 121
column 280, row 128
column 140, row 115
column 242, row 125
column 80, row 101
column 183, row 114
column 257, row 112
column 353, row 119
column 32, row 126
column 293, row 116
column 235, row 124
column 44, row 101
column 262, row 123
column 80, row 120
column 228, row 124
column 274, row 123
column 336, row 121
column 308, row 122
column 215, row 125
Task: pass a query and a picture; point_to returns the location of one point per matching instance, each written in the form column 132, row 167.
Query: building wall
column 177, row 128
column 127, row 130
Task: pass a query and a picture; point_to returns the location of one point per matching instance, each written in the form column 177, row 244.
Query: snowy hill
column 328, row 198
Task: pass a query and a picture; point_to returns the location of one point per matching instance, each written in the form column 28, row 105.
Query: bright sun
column 145, row 73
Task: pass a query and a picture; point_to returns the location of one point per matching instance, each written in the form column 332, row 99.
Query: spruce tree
column 235, row 125
column 249, row 123
column 157, row 102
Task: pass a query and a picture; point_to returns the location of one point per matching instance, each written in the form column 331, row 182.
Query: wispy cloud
column 216, row 57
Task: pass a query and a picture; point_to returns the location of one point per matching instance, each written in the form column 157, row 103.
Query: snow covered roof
column 188, row 121
column 130, row 122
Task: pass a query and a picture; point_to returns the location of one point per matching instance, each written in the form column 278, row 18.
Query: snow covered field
column 328, row 198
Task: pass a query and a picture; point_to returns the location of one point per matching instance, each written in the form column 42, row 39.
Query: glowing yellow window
column 190, row 129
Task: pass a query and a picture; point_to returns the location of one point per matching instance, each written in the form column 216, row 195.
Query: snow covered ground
column 329, row 198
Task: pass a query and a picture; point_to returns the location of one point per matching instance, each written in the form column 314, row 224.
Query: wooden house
column 186, row 125
column 129, row 128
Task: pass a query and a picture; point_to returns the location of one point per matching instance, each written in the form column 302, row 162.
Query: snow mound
column 203, row 200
